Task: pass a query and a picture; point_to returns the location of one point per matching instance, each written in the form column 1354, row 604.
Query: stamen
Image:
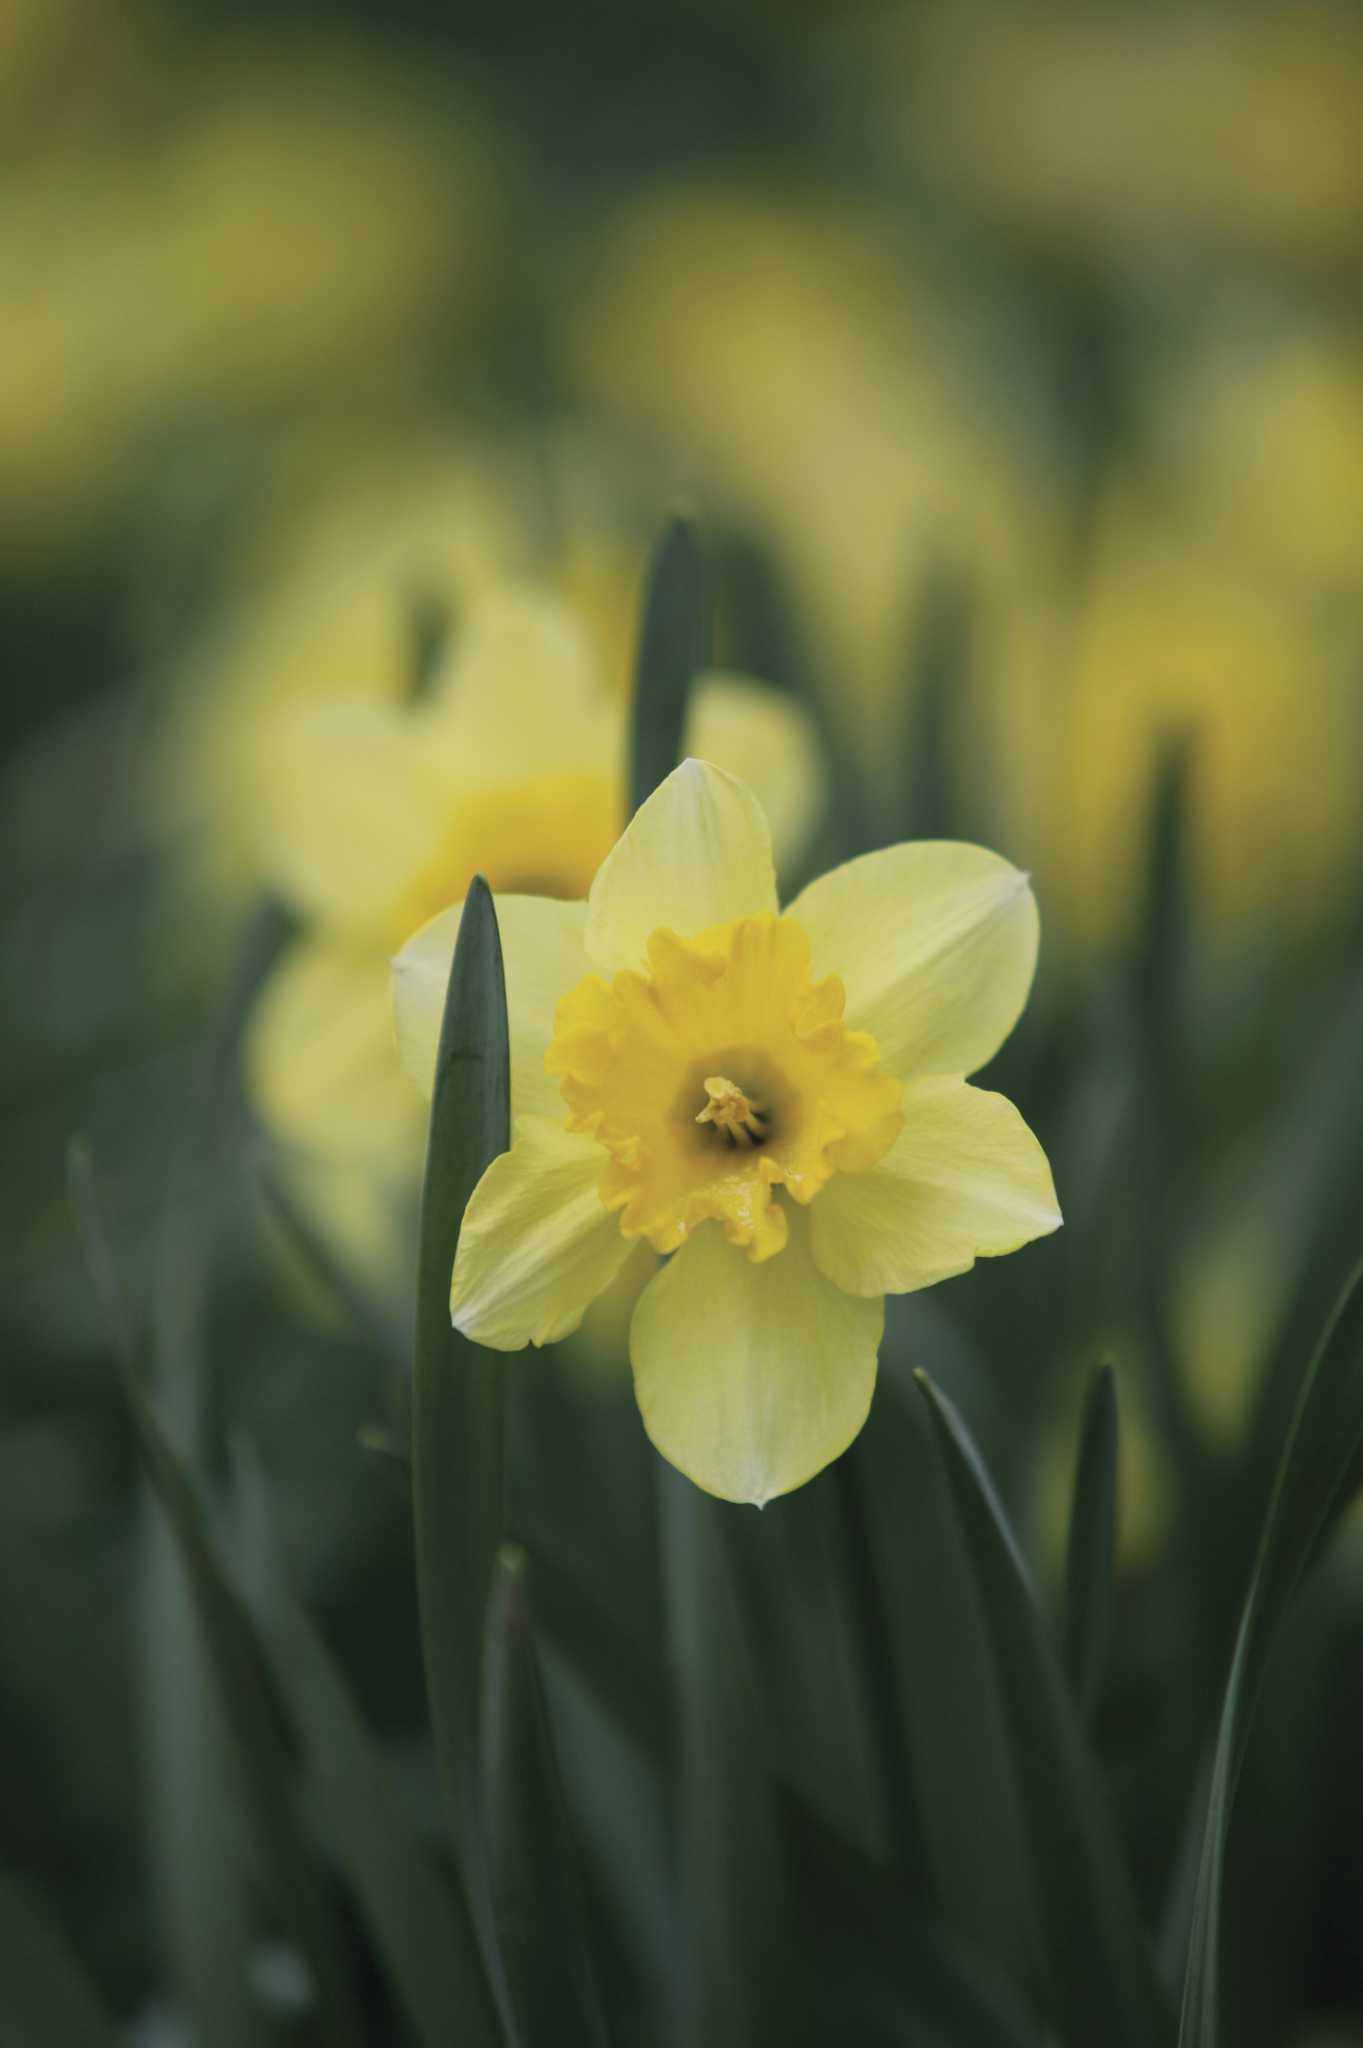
column 741, row 1120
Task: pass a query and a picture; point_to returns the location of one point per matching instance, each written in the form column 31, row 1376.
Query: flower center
column 546, row 836
column 636, row 1055
column 742, row 1122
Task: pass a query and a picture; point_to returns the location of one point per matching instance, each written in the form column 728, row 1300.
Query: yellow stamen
column 742, row 1121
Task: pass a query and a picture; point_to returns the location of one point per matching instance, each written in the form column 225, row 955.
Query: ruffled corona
column 718, row 1075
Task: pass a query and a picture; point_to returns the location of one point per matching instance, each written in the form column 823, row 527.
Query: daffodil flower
column 380, row 813
column 776, row 1101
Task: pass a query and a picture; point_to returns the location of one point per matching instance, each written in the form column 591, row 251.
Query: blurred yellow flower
column 779, row 1101
column 797, row 367
column 376, row 815
column 1166, row 638
column 267, row 223
column 1259, row 440
column 1109, row 128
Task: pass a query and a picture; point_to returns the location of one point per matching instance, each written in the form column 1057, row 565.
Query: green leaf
column 1316, row 1479
column 206, row 1898
column 953, row 1726
column 1093, row 1517
column 538, row 1899
column 45, row 1998
column 890, row 1972
column 420, row 1926
column 671, row 652
column 939, row 673
column 458, row 1389
column 1099, row 1972
column 740, row 1961
column 234, row 1655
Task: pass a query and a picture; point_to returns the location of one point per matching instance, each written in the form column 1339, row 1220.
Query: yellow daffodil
column 381, row 811
column 777, row 1100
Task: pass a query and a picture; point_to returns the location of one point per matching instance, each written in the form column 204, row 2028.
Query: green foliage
column 457, row 1395
column 526, row 1741
column 1316, row 1480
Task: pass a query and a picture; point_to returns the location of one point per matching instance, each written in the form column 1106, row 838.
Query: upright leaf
column 206, row 1898
column 1316, row 1477
column 953, row 1725
column 537, row 1893
column 1100, row 1973
column 740, row 1964
column 420, row 1925
column 44, row 1999
column 457, row 1388
column 1093, row 1514
column 234, row 1654
column 670, row 654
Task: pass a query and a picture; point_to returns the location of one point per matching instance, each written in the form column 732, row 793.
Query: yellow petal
column 536, row 1246
column 543, row 955
column 320, row 1063
column 696, row 854
column 935, row 943
column 354, row 804
column 767, row 738
column 325, row 1080
column 522, row 696
column 965, row 1179
column 751, row 1378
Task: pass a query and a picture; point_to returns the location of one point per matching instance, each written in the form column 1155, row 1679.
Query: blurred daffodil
column 779, row 1101
column 715, row 312
column 1169, row 639
column 378, row 812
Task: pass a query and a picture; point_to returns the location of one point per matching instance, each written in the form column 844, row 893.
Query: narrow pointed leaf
column 1093, row 1515
column 44, row 1999
column 234, row 1654
column 1100, row 1975
column 671, row 652
column 1316, row 1477
column 457, row 1387
column 420, row 1924
column 537, row 1892
column 953, row 1728
column 205, row 1894
column 740, row 1960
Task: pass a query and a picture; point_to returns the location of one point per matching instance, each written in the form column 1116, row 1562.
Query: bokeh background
column 1010, row 363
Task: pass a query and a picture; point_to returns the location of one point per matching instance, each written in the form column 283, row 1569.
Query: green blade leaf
column 740, row 1955
column 45, row 1998
column 420, row 1926
column 1093, row 1518
column 954, row 1732
column 206, row 1897
column 538, row 1899
column 457, row 1389
column 1315, row 1480
column 233, row 1651
column 1098, row 1965
column 671, row 652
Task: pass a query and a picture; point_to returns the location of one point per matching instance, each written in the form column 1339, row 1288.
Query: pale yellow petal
column 353, row 806
column 543, row 955
column 536, row 1246
column 965, row 1179
column 768, row 738
column 696, row 854
column 522, row 696
column 935, row 943
column 321, row 1066
column 346, row 1128
column 752, row 1378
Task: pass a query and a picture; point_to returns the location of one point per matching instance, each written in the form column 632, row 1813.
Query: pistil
column 741, row 1120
